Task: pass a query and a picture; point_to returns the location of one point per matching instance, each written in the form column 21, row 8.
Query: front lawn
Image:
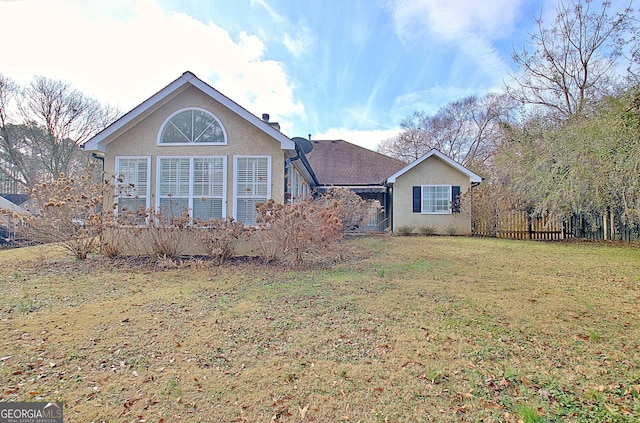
column 408, row 329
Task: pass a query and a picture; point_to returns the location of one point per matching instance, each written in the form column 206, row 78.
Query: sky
column 335, row 69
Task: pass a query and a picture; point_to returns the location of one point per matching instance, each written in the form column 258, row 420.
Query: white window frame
column 146, row 194
column 187, row 109
column 190, row 196
column 422, row 199
column 236, row 195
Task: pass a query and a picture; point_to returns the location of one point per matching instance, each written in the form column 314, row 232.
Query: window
column 192, row 184
column 436, row 199
column 252, row 186
column 191, row 126
column 296, row 189
column 132, row 188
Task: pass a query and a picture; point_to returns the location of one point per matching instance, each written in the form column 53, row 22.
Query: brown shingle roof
column 338, row 162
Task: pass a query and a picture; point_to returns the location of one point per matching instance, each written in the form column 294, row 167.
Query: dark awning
column 358, row 189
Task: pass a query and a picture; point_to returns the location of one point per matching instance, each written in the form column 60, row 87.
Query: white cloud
column 364, row 138
column 452, row 20
column 128, row 51
column 467, row 28
column 297, row 38
column 300, row 41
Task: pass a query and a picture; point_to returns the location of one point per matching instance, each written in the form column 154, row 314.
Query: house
column 426, row 193
column 340, row 164
column 11, row 203
column 188, row 147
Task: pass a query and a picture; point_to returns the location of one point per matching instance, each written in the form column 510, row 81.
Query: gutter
column 303, row 158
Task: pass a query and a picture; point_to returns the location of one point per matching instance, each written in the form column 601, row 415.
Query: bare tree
column 466, row 130
column 14, row 168
column 410, row 144
column 42, row 128
column 60, row 119
column 571, row 62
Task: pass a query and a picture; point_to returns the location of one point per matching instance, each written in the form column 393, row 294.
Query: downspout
column 471, row 206
column 99, row 158
column 388, row 206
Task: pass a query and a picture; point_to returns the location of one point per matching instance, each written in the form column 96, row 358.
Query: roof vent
column 265, row 117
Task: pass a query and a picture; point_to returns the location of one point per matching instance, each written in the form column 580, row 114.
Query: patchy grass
column 415, row 329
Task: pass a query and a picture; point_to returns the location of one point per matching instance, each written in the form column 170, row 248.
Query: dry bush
column 67, row 211
column 404, row 230
column 166, row 235
column 220, row 237
column 355, row 210
column 484, row 204
column 293, row 230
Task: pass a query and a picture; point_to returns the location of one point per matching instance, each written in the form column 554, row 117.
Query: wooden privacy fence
column 519, row 224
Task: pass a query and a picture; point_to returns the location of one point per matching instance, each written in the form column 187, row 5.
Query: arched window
column 192, row 126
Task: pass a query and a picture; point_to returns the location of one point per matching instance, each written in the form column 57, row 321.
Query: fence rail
column 519, row 224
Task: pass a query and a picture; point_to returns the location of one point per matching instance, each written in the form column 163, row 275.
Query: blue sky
column 334, row 69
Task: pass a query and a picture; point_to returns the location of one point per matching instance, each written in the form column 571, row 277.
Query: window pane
column 132, row 211
column 132, row 177
column 246, row 208
column 131, row 190
column 252, row 186
column 206, row 128
column 192, row 126
column 173, row 207
column 174, row 177
column 252, row 176
column 207, row 208
column 208, row 177
column 435, row 199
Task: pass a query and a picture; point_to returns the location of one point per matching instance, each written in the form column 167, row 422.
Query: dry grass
column 417, row 329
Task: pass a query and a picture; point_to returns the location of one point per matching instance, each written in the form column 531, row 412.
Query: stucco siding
column 432, row 171
column 243, row 139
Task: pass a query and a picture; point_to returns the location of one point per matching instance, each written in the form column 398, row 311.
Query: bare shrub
column 485, row 204
column 166, row 234
column 220, row 237
column 404, row 230
column 67, row 211
column 428, row 230
column 355, row 210
column 293, row 230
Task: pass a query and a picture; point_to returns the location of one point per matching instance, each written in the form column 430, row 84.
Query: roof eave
column 473, row 177
column 100, row 140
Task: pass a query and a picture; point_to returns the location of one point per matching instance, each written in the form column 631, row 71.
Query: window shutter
column 417, row 199
column 455, row 199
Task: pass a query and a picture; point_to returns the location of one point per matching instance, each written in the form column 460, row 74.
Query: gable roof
column 188, row 79
column 17, row 199
column 338, row 162
column 7, row 203
column 472, row 176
